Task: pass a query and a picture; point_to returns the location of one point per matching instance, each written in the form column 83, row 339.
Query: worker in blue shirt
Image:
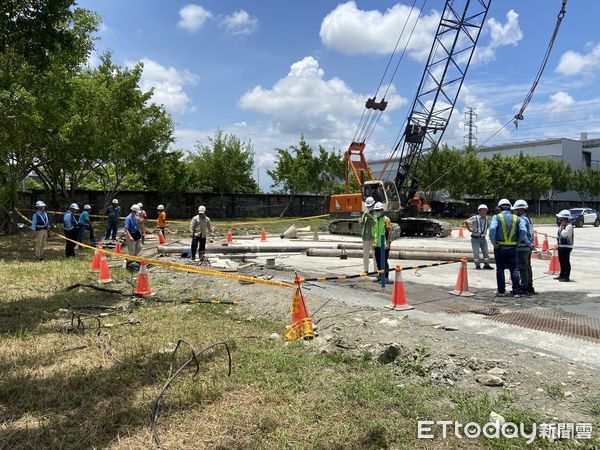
column 525, row 248
column 506, row 232
column 85, row 224
column 133, row 236
column 71, row 229
column 40, row 225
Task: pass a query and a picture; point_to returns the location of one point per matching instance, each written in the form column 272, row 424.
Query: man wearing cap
column 162, row 219
column 133, row 237
column 113, row 212
column 141, row 221
column 506, row 232
column 85, row 224
column 525, row 248
column 367, row 221
column 478, row 226
column 71, row 229
column 200, row 228
column 40, row 225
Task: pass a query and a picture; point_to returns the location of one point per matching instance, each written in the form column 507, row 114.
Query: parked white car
column 584, row 216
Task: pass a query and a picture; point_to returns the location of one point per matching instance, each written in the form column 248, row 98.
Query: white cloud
column 168, row 84
column 501, row 35
column 240, row 23
column 354, row 31
column 560, row 100
column 574, row 63
column 305, row 102
column 192, row 17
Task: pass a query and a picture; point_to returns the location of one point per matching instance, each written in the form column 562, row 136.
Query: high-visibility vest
column 379, row 229
column 367, row 215
column 508, row 238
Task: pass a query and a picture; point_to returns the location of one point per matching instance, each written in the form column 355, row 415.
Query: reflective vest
column 379, row 229
column 366, row 217
column 508, row 239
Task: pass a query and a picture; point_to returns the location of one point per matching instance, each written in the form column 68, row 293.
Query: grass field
column 70, row 389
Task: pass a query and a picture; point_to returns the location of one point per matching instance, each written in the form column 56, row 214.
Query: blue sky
column 269, row 70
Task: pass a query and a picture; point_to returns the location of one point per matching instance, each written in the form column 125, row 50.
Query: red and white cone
column 399, row 293
column 462, row 282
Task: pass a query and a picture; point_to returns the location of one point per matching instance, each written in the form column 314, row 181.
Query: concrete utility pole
column 470, row 118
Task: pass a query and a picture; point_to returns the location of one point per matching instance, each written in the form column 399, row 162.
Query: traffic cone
column 161, row 238
column 554, row 264
column 399, row 293
column 95, row 265
column 545, row 246
column 143, row 282
column 301, row 326
column 229, row 237
column 536, row 242
column 263, row 235
column 104, row 273
column 460, row 232
column 462, row 282
column 118, row 247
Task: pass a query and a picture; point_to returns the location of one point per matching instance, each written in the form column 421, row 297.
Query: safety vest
column 508, row 238
column 379, row 229
column 367, row 215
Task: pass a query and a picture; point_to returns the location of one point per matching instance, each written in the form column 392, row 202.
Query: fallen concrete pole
column 236, row 249
column 354, row 246
column 394, row 254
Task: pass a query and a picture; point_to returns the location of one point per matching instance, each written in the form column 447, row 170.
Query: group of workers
column 76, row 225
column 510, row 231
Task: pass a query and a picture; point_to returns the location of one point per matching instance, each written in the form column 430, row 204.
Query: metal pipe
column 355, row 246
column 394, row 254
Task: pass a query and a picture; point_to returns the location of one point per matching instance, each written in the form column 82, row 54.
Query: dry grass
column 54, row 394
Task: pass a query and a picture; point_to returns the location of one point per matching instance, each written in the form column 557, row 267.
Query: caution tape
column 217, row 224
column 377, row 272
column 173, row 265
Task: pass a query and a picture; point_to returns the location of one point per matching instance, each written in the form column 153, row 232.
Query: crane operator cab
column 385, row 192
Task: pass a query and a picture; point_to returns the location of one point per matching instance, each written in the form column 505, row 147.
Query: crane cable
column 366, row 115
column 519, row 115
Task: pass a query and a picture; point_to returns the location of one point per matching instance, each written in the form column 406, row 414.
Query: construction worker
column 524, row 249
column 141, row 221
column 162, row 219
column 478, row 226
column 566, row 237
column 133, row 236
column 85, row 224
column 71, row 229
column 382, row 238
column 113, row 212
column 506, row 231
column 367, row 221
column 40, row 225
column 200, row 228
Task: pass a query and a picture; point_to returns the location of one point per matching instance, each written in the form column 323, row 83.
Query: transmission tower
column 470, row 118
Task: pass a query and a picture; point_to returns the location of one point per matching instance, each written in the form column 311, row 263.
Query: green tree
column 168, row 173
column 587, row 184
column 224, row 166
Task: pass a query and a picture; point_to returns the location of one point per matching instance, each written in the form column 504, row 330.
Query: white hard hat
column 160, row 207
column 202, row 209
column 504, row 202
column 520, row 204
column 115, row 201
column 39, row 204
column 87, row 207
column 73, row 206
column 135, row 208
column 564, row 213
column 378, row 206
column 140, row 205
column 482, row 206
column 369, row 201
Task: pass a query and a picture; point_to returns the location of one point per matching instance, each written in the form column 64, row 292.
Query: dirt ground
column 560, row 390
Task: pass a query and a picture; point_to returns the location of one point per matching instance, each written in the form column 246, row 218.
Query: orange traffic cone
column 554, row 264
column 263, row 235
column 95, row 265
column 460, row 232
column 104, row 273
column 118, row 247
column 536, row 242
column 301, row 326
column 229, row 237
column 462, row 282
column 399, row 293
column 545, row 246
column 161, row 238
column 143, row 282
